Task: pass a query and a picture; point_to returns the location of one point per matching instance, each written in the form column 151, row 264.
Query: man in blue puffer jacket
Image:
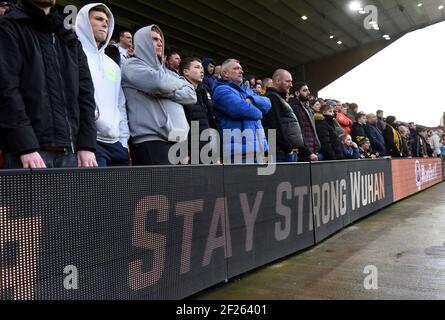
column 239, row 108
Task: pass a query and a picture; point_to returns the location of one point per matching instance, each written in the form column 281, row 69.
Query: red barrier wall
column 411, row 176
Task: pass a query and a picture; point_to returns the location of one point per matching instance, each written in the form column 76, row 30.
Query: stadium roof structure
column 270, row 34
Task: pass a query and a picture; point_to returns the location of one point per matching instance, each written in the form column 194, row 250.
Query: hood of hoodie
column 84, row 29
column 205, row 64
column 144, row 49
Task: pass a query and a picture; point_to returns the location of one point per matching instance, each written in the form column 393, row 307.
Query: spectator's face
column 3, row 10
column 317, row 107
column 380, row 114
column 174, row 61
column 329, row 112
column 348, row 141
column 99, row 23
column 412, row 126
column 234, row 73
column 45, row 3
column 372, row 119
column 258, row 88
column 211, row 68
column 362, row 120
column 260, row 82
column 217, row 70
column 366, row 146
column 126, row 40
column 405, row 133
column 158, row 44
column 268, row 84
column 304, row 93
column 195, row 73
column 284, row 82
column 252, row 82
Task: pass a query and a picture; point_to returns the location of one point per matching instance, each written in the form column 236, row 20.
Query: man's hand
column 248, row 100
column 130, row 52
column 32, row 161
column 313, row 157
column 86, row 159
column 354, row 145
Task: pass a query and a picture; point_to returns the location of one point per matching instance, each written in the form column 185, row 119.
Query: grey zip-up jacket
column 155, row 95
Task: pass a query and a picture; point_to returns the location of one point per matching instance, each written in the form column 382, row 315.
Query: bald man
column 282, row 118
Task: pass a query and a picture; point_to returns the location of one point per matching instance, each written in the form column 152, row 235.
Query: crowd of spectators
column 78, row 98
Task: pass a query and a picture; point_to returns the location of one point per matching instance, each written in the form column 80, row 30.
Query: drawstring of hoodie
column 101, row 65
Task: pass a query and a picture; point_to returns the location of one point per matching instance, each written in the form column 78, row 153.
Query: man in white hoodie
column 94, row 26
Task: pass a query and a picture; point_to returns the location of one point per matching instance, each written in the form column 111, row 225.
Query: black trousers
column 151, row 153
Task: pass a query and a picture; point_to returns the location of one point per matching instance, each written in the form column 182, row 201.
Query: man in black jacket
column 358, row 127
column 421, row 147
column 201, row 115
column 47, row 108
column 282, row 119
column 393, row 139
column 331, row 148
column 412, row 135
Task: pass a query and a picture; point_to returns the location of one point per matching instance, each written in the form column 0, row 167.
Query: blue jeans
column 111, row 155
column 243, row 160
column 286, row 158
column 51, row 159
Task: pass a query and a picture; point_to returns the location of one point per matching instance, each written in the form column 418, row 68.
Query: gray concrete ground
column 405, row 242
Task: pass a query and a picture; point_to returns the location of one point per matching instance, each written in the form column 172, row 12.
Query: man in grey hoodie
column 155, row 96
